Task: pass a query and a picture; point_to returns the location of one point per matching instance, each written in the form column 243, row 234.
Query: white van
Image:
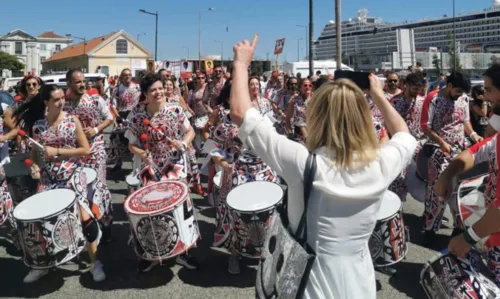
column 11, row 82
column 61, row 78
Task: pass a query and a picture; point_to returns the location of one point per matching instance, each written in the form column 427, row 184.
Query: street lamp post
column 156, row 29
column 221, row 52
column 338, row 33
column 298, row 47
column 80, row 38
column 454, row 41
column 140, row 34
column 305, row 26
column 187, row 48
column 199, row 34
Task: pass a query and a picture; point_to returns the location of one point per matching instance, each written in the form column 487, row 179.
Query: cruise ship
column 369, row 37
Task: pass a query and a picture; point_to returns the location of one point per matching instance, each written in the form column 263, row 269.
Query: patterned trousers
column 434, row 206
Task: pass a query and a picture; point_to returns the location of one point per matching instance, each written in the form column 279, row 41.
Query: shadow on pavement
column 405, row 279
column 120, row 264
column 14, row 272
column 414, row 223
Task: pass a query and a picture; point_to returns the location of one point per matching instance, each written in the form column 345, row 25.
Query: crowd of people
column 248, row 128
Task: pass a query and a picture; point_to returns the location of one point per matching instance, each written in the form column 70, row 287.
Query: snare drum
column 132, row 183
column 388, row 241
column 49, row 228
column 447, row 276
column 251, row 207
column 162, row 220
column 471, row 206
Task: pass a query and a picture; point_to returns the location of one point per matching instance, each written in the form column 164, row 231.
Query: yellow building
column 107, row 54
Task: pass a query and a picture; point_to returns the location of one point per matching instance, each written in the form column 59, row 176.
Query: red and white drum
column 162, row 219
column 251, row 207
column 50, row 229
column 388, row 243
column 447, row 276
column 471, row 207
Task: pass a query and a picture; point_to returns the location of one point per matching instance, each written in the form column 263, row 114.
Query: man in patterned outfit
column 392, row 82
column 445, row 119
column 215, row 86
column 124, row 98
column 409, row 105
column 95, row 117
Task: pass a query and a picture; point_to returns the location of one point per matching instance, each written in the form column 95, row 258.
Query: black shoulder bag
column 287, row 259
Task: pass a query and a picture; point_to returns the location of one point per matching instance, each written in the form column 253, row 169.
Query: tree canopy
column 10, row 62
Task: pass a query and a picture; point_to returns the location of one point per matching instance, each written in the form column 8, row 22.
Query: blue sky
column 178, row 21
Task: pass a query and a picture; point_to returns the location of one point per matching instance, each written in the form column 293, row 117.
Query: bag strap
column 309, row 173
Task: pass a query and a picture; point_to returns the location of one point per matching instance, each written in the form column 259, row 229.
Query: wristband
column 185, row 145
column 96, row 130
column 473, row 234
column 468, row 238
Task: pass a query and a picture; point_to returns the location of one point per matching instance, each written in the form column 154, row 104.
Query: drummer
column 445, row 121
column 124, row 98
column 240, row 166
column 169, row 132
column 64, row 143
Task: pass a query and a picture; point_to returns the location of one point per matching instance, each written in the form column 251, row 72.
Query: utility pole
column 311, row 37
column 338, row 30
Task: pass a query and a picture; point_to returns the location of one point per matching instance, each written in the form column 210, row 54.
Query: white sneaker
column 35, row 275
column 97, row 272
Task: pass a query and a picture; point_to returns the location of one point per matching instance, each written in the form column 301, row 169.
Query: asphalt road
column 172, row 281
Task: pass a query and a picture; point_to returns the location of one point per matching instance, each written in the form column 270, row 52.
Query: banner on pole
column 150, row 66
column 280, row 44
column 209, row 66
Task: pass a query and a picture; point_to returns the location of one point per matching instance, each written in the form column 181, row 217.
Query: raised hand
column 243, row 51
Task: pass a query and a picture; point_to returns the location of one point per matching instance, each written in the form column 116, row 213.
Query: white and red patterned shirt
column 411, row 111
column 125, row 98
column 446, row 117
column 91, row 111
column 213, row 90
column 299, row 112
column 486, row 151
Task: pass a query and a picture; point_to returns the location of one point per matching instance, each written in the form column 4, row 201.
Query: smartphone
column 361, row 79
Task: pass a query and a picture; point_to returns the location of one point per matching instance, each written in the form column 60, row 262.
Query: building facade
column 30, row 50
column 373, row 41
column 108, row 54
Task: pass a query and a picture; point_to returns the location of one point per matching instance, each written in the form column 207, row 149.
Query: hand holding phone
column 360, row 78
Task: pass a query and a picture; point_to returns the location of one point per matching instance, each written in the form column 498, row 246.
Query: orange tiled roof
column 77, row 50
column 50, row 34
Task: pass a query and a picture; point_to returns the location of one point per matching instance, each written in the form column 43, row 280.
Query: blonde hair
column 338, row 118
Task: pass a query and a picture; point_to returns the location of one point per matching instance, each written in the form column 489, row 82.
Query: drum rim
column 260, row 210
column 48, row 216
column 132, row 176
column 95, row 179
column 398, row 211
column 137, row 213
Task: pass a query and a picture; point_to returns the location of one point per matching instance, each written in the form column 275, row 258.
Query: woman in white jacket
column 353, row 173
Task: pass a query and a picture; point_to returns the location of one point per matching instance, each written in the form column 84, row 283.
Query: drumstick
column 23, row 134
column 144, row 138
column 28, row 163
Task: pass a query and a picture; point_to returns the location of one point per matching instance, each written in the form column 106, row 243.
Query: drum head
column 44, row 204
column 217, row 178
column 132, row 180
column 390, row 205
column 254, row 196
column 471, row 201
column 91, row 175
column 157, row 198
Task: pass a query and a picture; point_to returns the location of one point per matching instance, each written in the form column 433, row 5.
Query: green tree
column 345, row 60
column 454, row 55
column 10, row 62
column 436, row 62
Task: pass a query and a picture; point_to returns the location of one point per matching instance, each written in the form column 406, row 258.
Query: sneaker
column 234, row 265
column 97, row 272
column 187, row 261
column 146, row 266
column 35, row 275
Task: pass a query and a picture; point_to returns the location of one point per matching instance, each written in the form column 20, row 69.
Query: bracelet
column 473, row 234
column 96, row 130
column 468, row 238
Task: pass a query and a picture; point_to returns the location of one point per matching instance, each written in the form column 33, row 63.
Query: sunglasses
column 306, row 85
column 218, row 71
column 392, row 81
column 31, row 84
column 201, row 78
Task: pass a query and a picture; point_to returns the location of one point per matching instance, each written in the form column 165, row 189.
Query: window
column 58, row 48
column 121, row 46
column 43, row 47
column 19, row 48
column 42, row 59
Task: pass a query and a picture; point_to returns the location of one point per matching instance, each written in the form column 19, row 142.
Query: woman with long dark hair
column 28, row 89
column 64, row 143
column 239, row 166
